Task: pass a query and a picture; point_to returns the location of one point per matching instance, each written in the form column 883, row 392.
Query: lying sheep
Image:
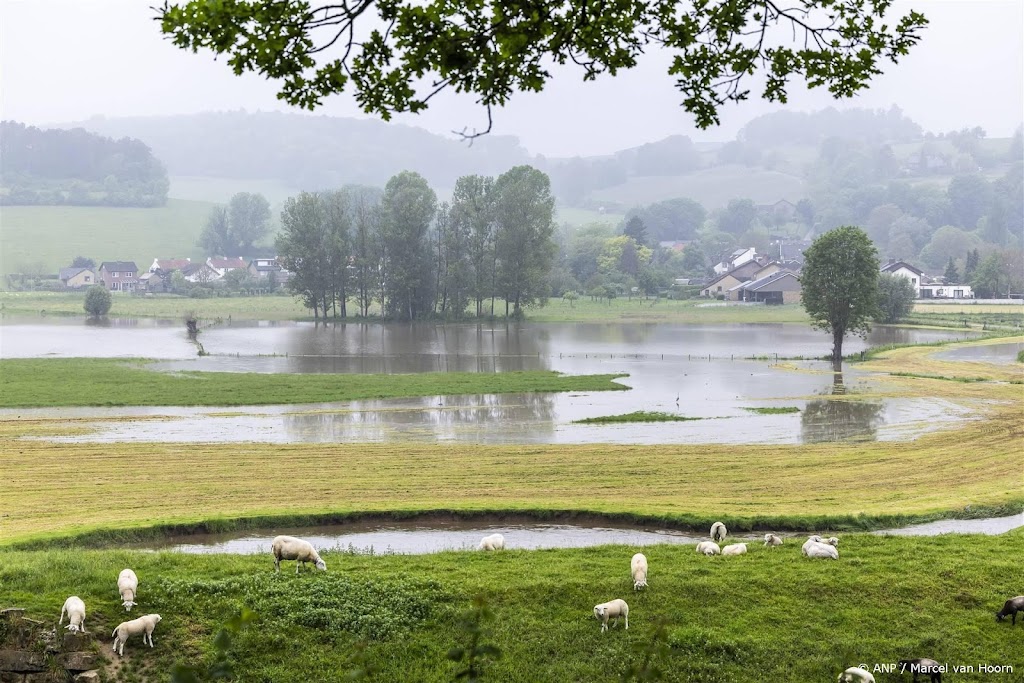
column 718, row 532
column 855, row 674
column 809, row 542
column 143, row 625
column 822, row 551
column 771, row 540
column 708, row 548
column 735, row 549
column 612, row 610
column 833, row 541
column 638, row 570
column 128, row 587
column 1012, row 606
column 291, row 548
column 492, row 542
column 75, row 609
column 928, row 667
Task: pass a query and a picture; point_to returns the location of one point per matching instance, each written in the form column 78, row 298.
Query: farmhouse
column 782, row 287
column 943, row 291
column 906, row 270
column 168, row 265
column 76, row 278
column 119, row 276
column 721, row 285
column 225, row 265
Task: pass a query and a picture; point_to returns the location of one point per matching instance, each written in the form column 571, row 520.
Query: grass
column 783, row 410
column 795, row 619
column 54, row 382
column 712, row 187
column 1020, row 356
column 638, row 416
column 51, row 236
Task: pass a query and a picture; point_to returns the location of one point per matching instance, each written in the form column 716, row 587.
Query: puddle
column 1001, row 354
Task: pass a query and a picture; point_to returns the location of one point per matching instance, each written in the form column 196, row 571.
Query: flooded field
column 1004, row 354
column 420, row 538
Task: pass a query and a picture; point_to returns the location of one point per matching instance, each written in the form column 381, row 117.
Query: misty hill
column 77, row 167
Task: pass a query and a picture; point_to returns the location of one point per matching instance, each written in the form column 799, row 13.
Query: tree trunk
column 837, row 349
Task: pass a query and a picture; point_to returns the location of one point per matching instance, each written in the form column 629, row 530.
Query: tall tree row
column 402, row 253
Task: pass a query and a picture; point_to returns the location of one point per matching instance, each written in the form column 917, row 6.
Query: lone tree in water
column 97, row 301
column 840, row 285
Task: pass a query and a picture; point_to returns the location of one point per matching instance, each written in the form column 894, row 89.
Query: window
column 88, row 278
column 115, row 274
column 913, row 280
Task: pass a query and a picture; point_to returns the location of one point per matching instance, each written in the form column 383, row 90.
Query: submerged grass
column 795, row 620
column 780, row 410
column 114, row 382
column 637, row 416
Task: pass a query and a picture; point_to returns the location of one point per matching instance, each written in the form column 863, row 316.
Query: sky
column 69, row 60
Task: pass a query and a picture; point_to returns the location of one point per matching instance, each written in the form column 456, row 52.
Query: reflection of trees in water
column 831, row 420
column 488, row 419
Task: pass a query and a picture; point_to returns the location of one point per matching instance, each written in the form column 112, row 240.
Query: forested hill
column 76, row 167
column 309, row 152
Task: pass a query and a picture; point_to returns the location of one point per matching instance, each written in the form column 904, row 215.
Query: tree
column 737, row 217
column 249, row 216
column 216, row 237
column 473, row 206
column 969, row 198
column 97, row 301
column 672, row 219
column 971, row 264
column 946, row 243
column 895, row 298
column 83, row 262
column 367, row 248
column 303, row 247
column 407, row 210
column 636, row 229
column 398, row 54
column 839, row 283
column 952, row 276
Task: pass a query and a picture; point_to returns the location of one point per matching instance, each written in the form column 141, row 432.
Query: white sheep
column 809, row 542
column 833, row 541
column 492, row 542
column 638, row 570
column 718, row 532
column 735, row 549
column 612, row 610
column 291, row 548
column 855, row 674
column 75, row 609
column 708, row 548
column 771, row 540
column 143, row 625
column 822, row 551
column 128, row 587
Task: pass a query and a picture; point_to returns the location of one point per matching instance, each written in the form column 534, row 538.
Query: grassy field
column 770, row 615
column 51, row 236
column 638, row 416
column 712, row 187
column 115, row 382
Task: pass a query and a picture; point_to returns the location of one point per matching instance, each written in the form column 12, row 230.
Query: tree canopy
column 397, row 54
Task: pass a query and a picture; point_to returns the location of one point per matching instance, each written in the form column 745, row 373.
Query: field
column 712, row 187
column 51, row 236
column 220, row 190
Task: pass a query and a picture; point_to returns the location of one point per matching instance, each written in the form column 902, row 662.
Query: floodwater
column 696, row 371
column 1003, row 354
column 421, row 538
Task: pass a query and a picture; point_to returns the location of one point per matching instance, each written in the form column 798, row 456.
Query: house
column 200, row 272
column 781, row 287
column 265, row 268
column 225, row 265
column 789, row 253
column 721, row 285
column 782, row 211
column 154, row 283
column 168, row 265
column 736, row 259
column 76, row 278
column 906, row 270
column 942, row 291
column 119, row 276
column 767, row 269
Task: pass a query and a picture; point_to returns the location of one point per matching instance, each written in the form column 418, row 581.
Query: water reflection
column 836, row 420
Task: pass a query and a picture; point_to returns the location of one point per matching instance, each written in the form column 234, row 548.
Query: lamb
column 638, row 569
column 1012, row 606
column 492, row 542
column 612, row 610
column 75, row 609
column 128, row 587
column 928, row 667
column 822, row 551
column 735, row 549
column 833, row 541
column 855, row 674
column 708, row 548
column 291, row 548
column 143, row 625
column 718, row 532
column 809, row 542
column 771, row 540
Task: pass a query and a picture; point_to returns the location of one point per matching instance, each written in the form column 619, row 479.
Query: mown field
column 51, row 236
column 771, row 615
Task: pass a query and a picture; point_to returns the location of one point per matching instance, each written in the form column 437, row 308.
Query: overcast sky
column 66, row 60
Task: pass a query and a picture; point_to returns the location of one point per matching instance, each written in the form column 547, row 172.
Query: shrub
column 97, row 301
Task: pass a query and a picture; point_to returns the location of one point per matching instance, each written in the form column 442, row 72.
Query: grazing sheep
column 128, row 587
column 1012, row 606
column 771, row 540
column 492, row 542
column 833, row 541
column 612, row 610
column 855, row 674
column 638, row 569
column 822, row 551
column 718, row 532
column 708, row 548
column 143, row 625
column 928, row 667
column 735, row 549
column 75, row 609
column 291, row 548
column 809, row 542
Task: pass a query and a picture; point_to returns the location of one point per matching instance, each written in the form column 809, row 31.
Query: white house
column 941, row 291
column 735, row 260
column 906, row 270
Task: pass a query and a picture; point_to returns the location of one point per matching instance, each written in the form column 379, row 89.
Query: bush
column 97, row 301
column 895, row 298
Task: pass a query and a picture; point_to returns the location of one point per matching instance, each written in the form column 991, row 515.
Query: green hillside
column 44, row 238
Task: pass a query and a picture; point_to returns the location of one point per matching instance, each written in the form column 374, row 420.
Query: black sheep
column 1012, row 606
